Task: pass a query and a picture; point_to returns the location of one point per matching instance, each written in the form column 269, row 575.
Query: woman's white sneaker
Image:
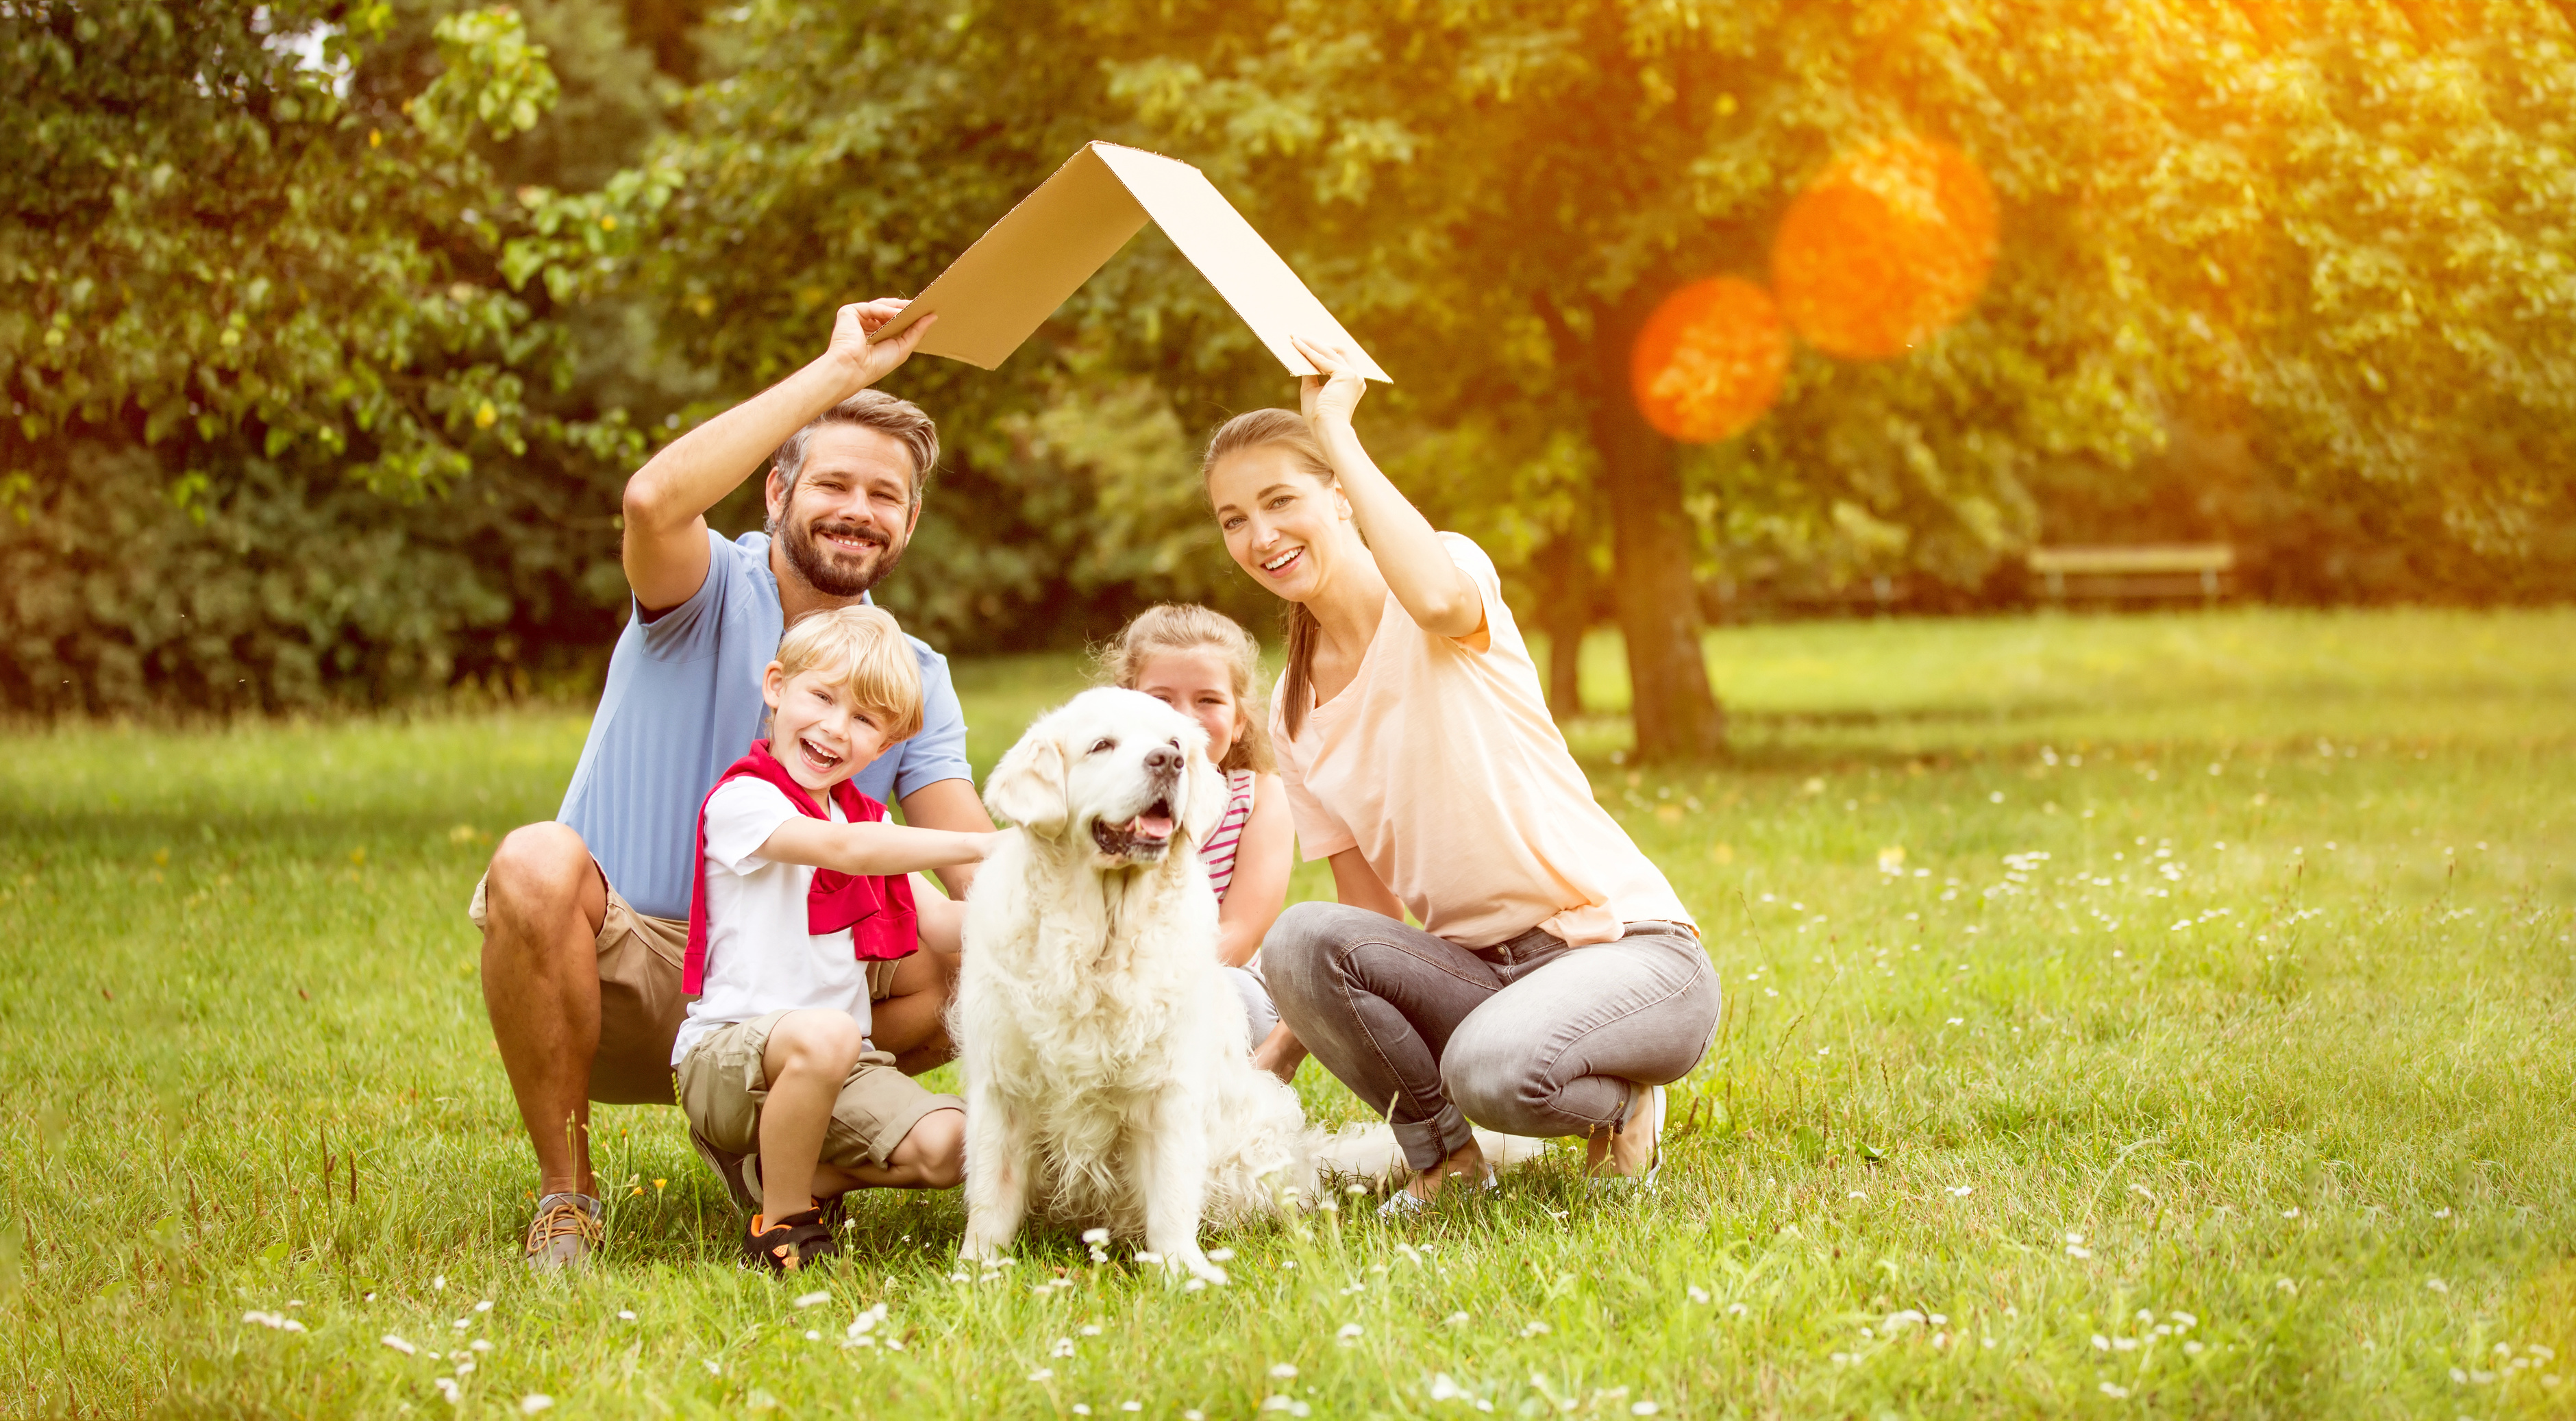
column 1636, row 1153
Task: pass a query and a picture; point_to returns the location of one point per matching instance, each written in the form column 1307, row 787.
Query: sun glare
column 1888, row 247
column 1710, row 360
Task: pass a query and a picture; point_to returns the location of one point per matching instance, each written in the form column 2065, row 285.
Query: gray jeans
column 1529, row 1037
column 1258, row 1014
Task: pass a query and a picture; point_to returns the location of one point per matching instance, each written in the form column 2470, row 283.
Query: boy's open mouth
column 817, row 759
column 1144, row 836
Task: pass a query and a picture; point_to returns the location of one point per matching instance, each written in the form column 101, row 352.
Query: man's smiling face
column 844, row 524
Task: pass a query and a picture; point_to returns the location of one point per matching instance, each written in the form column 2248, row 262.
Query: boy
column 801, row 884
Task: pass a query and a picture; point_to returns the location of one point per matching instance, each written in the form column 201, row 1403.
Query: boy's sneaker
column 790, row 1243
column 741, row 1176
column 566, row 1230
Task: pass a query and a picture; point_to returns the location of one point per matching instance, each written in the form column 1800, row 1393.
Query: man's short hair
column 901, row 420
column 868, row 654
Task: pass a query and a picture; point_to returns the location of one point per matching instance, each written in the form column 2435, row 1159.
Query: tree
column 280, row 429
column 1525, row 182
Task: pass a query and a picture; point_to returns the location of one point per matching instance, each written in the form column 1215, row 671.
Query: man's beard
column 833, row 574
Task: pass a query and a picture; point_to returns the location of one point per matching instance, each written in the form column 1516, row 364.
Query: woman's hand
column 1329, row 398
column 1434, row 591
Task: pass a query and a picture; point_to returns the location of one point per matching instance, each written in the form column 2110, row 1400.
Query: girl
column 1201, row 664
column 1556, row 981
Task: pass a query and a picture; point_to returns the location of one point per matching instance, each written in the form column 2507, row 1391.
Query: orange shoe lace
column 561, row 1218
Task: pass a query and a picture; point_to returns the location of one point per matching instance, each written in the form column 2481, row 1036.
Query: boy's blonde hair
column 1176, row 626
column 874, row 658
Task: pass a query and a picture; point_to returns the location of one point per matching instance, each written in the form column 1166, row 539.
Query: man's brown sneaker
column 566, row 1230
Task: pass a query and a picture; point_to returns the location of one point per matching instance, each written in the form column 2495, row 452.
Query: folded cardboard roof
column 991, row 298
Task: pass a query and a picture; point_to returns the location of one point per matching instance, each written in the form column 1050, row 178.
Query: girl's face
column 1284, row 526
column 1199, row 683
column 814, row 730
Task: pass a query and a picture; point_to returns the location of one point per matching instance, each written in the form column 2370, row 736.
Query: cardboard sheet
column 1015, row 276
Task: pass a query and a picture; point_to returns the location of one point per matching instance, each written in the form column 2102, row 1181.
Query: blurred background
column 331, row 330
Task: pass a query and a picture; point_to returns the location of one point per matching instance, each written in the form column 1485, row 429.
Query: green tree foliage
column 2259, row 217
column 2358, row 226
column 2293, row 272
column 280, row 426
column 854, row 151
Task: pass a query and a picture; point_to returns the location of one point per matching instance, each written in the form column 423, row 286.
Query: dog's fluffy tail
column 1366, row 1153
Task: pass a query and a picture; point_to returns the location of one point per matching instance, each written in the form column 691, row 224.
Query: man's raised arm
column 667, row 500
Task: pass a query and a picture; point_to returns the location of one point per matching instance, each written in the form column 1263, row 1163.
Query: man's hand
column 866, row 363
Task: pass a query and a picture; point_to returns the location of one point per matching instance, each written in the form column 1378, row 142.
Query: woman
column 1556, row 982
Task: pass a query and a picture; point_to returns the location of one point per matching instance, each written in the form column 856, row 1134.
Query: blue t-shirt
column 683, row 702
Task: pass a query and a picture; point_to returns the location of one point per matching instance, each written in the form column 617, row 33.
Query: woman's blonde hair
column 1280, row 429
column 874, row 658
column 1177, row 626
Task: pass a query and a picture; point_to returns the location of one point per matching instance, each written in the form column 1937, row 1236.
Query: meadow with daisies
column 2141, row 1016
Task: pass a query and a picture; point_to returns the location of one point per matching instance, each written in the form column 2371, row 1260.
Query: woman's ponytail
column 1301, row 667
column 1286, row 429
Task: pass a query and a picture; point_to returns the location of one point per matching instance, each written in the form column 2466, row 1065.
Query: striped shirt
column 1218, row 852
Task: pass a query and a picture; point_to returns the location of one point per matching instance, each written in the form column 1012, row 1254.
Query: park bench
column 2145, row 571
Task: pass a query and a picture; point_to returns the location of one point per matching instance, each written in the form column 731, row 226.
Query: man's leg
column 887, row 1132
column 543, row 902
column 931, row 1156
column 910, row 1020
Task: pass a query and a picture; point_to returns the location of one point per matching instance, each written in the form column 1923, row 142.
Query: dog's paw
column 980, row 1250
column 1188, row 1260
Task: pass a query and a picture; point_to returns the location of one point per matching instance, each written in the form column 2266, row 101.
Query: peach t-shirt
column 1443, row 767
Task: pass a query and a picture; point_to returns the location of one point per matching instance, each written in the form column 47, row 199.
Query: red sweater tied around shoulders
column 876, row 908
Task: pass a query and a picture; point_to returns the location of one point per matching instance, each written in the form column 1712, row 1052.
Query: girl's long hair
column 1284, row 429
column 1184, row 626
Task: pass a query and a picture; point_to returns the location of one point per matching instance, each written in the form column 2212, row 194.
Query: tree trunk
column 1565, row 592
column 1652, row 541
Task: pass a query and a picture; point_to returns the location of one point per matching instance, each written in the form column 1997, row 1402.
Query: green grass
column 2279, row 1026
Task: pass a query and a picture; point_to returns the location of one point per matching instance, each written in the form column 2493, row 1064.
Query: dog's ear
column 1028, row 788
column 1204, row 802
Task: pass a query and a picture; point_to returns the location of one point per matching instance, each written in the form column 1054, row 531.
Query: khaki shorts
column 641, row 1005
column 723, row 1085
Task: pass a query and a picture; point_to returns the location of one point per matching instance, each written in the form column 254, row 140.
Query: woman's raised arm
column 1434, row 590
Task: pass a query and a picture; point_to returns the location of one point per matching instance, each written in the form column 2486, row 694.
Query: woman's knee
column 1495, row 1077
column 1297, row 951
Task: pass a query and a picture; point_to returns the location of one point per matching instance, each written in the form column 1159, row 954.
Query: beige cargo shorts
column 641, row 1005
column 723, row 1085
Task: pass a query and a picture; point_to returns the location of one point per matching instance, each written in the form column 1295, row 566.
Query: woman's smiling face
column 1282, row 524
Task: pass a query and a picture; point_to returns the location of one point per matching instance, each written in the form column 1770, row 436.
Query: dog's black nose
column 1163, row 760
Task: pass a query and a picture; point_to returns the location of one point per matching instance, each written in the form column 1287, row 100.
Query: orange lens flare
column 1710, row 360
column 1887, row 248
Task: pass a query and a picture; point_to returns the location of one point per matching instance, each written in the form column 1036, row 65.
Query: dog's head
column 1116, row 770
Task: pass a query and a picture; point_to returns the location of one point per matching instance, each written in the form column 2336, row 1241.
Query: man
column 585, row 918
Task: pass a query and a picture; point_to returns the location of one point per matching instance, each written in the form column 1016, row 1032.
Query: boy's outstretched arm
column 874, row 848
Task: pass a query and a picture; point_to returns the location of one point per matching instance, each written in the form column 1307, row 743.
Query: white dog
column 1108, row 1080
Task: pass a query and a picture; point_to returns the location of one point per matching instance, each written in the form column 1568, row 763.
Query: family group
column 722, row 912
